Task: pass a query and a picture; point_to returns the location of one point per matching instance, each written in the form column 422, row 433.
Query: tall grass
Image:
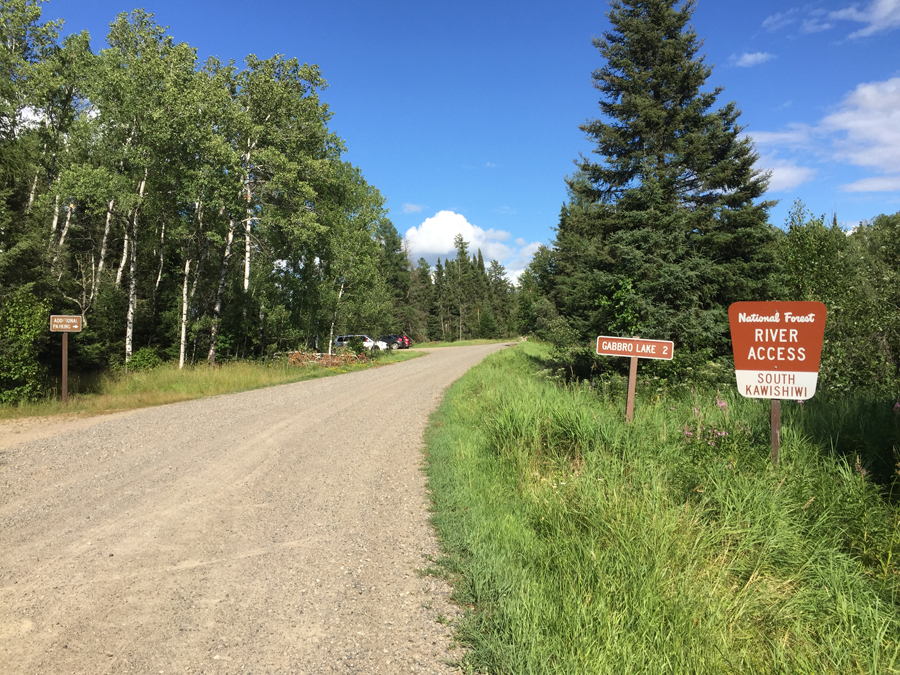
column 584, row 545
column 167, row 384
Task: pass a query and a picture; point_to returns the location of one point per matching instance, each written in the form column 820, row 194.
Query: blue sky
column 465, row 114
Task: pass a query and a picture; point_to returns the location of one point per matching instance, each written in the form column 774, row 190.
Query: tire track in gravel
column 272, row 531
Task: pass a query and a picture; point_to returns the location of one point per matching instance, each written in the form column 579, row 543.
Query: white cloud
column 746, row 60
column 863, row 131
column 434, row 238
column 490, row 165
column 412, row 208
column 880, row 15
column 517, row 265
column 879, row 184
column 796, row 135
column 869, row 123
column 780, row 20
column 814, row 25
column 786, row 175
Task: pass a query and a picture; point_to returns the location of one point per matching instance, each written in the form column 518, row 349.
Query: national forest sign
column 777, row 348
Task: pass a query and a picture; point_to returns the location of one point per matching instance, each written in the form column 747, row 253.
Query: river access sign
column 777, row 348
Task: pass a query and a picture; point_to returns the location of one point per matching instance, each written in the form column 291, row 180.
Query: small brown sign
column 62, row 323
column 642, row 349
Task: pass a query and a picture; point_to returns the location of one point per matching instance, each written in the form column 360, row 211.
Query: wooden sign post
column 635, row 348
column 777, row 349
column 65, row 324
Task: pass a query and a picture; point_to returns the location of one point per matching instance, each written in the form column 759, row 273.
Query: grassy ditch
column 167, row 384
column 582, row 545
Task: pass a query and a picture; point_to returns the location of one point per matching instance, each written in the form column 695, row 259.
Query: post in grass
column 65, row 324
column 635, row 348
column 777, row 348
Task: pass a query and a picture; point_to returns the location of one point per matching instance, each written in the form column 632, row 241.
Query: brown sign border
column 638, row 343
column 78, row 323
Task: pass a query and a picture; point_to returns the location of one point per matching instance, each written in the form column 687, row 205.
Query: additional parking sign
column 777, row 348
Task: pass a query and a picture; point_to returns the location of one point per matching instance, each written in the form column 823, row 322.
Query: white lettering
column 756, row 318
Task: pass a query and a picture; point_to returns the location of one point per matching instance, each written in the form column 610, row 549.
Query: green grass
column 582, row 545
column 461, row 343
column 167, row 384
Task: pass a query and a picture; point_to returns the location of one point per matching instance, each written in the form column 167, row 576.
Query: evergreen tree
column 664, row 230
column 439, row 319
column 421, row 293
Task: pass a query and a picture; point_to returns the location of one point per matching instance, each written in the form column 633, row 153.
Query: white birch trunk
column 217, row 310
column 31, row 193
column 102, row 262
column 65, row 231
column 247, row 254
column 184, row 312
column 55, row 222
column 132, row 275
column 162, row 250
column 249, row 221
column 334, row 318
column 204, row 249
column 124, row 257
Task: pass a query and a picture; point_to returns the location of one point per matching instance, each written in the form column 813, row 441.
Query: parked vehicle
column 407, row 341
column 367, row 342
column 393, row 341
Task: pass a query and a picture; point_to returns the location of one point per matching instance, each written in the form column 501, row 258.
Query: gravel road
column 272, row 531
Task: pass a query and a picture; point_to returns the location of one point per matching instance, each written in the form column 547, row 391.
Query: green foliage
column 144, row 358
column 24, row 326
column 355, row 345
column 582, row 544
column 462, row 299
column 664, row 231
column 160, row 197
column 853, row 275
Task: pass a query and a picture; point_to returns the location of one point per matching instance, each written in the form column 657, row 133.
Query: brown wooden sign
column 777, row 348
column 635, row 347
column 64, row 323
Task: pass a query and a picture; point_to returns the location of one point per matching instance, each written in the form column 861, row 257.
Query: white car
column 368, row 343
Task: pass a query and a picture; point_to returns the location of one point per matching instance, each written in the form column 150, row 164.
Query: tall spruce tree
column 664, row 227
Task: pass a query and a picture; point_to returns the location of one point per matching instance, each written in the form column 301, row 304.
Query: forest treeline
column 667, row 224
column 194, row 212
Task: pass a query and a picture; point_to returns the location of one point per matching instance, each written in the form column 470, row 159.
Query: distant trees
column 461, row 299
column 665, row 228
column 198, row 211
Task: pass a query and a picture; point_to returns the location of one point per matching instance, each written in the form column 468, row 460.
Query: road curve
column 272, row 531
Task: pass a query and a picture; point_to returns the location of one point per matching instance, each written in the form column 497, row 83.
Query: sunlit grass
column 168, row 384
column 580, row 544
column 461, row 343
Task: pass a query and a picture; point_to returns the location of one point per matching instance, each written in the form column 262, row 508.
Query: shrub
column 24, row 320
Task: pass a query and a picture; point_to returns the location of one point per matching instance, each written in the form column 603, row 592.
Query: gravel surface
column 273, row 531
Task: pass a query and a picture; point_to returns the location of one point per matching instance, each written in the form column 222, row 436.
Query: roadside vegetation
column 462, row 343
column 194, row 211
column 165, row 383
column 581, row 544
